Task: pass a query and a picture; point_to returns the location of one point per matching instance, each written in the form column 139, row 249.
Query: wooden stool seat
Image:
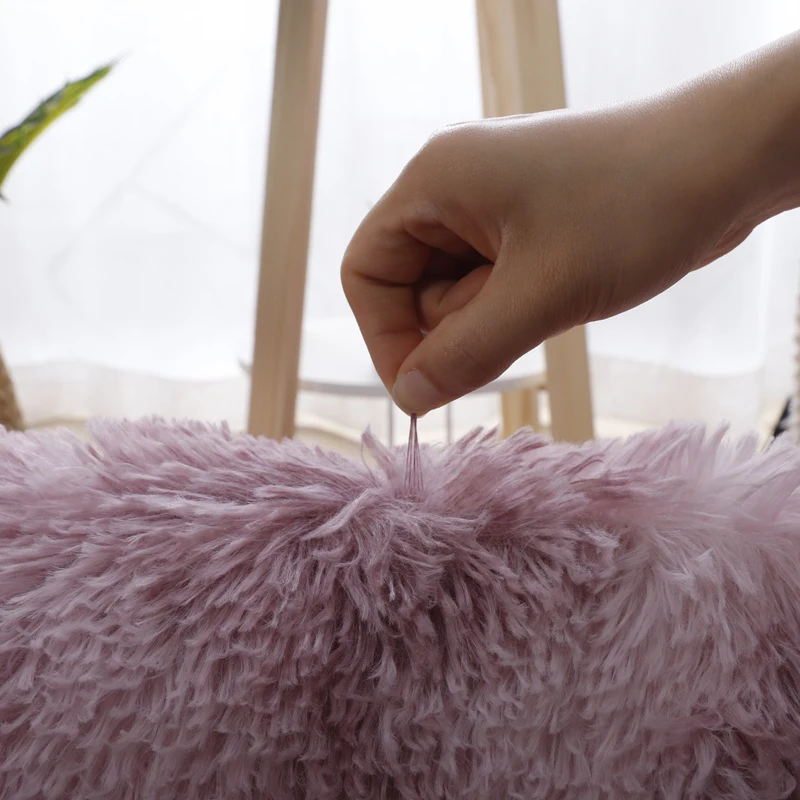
column 335, row 360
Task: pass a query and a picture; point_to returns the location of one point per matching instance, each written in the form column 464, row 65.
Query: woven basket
column 10, row 415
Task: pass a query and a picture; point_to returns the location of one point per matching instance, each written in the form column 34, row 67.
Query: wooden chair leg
column 569, row 387
column 520, row 409
column 287, row 216
column 522, row 73
column 10, row 414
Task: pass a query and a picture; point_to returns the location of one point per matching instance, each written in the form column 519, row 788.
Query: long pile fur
column 188, row 613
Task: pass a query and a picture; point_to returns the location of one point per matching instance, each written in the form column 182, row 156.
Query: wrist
column 765, row 109
column 741, row 133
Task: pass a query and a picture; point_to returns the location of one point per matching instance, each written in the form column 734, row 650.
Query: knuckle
column 346, row 272
column 348, row 276
column 445, row 142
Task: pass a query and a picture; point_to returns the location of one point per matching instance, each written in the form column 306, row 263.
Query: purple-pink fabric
column 188, row 613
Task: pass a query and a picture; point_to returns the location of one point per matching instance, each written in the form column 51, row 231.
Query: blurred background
column 129, row 247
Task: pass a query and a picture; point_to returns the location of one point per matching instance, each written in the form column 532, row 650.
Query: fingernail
column 415, row 394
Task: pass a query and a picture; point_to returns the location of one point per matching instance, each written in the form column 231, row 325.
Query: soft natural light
column 129, row 248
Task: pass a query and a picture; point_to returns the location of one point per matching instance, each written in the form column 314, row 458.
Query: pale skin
column 502, row 233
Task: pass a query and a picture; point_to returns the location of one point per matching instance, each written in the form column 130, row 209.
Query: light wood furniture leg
column 569, row 387
column 521, row 73
column 287, row 216
column 520, row 409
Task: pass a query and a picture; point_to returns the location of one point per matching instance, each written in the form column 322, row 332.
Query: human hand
column 502, row 233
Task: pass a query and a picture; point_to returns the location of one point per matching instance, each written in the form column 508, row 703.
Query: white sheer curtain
column 128, row 252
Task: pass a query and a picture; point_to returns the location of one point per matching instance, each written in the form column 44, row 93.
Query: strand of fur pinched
column 412, row 485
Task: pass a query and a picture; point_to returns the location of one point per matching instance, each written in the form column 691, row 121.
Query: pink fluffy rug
column 186, row 613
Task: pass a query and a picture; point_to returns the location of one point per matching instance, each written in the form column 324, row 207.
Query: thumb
column 469, row 348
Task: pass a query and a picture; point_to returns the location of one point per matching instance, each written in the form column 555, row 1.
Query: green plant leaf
column 15, row 140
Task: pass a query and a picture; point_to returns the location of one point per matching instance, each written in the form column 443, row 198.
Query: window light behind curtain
column 128, row 253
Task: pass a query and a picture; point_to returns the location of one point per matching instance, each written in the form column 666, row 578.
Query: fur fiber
column 191, row 614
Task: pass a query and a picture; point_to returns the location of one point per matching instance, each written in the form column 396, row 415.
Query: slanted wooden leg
column 287, row 216
column 522, row 73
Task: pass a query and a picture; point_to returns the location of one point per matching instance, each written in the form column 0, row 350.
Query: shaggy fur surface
column 185, row 613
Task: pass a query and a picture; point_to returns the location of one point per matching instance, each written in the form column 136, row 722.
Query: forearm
column 756, row 101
